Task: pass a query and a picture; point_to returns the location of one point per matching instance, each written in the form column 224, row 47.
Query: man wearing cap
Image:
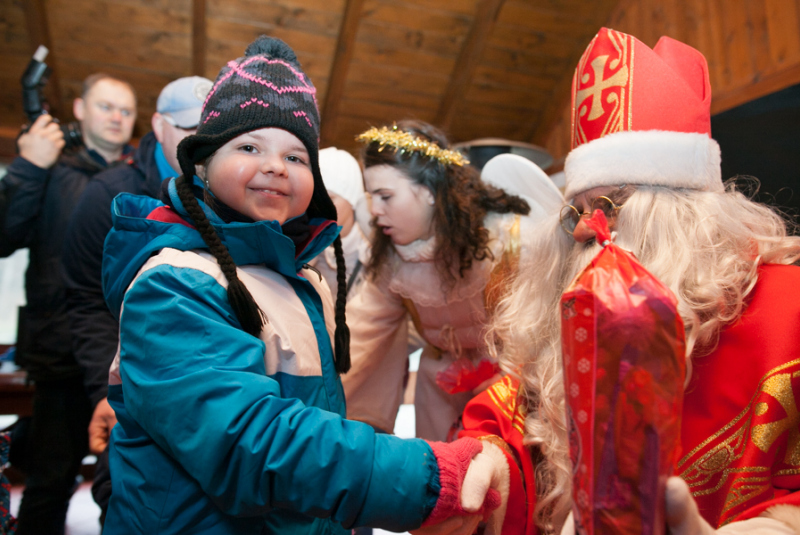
column 94, row 329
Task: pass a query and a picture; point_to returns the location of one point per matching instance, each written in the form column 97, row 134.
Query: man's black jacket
column 38, row 204
column 95, row 332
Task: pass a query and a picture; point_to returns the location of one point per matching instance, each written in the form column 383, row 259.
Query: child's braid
column 342, row 334
column 250, row 316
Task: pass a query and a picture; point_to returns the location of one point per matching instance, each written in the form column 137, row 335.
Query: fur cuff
column 788, row 514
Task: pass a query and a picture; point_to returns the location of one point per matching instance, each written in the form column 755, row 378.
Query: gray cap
column 181, row 101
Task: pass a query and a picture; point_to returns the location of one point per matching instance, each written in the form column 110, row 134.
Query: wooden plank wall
column 476, row 68
column 402, row 59
column 125, row 39
column 752, row 47
column 16, row 53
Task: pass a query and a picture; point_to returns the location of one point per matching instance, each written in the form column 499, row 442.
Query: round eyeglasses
column 570, row 216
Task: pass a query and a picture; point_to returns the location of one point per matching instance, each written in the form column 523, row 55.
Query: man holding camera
column 94, row 329
column 41, row 190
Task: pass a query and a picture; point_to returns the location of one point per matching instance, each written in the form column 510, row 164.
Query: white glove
column 683, row 517
column 569, row 525
column 488, row 469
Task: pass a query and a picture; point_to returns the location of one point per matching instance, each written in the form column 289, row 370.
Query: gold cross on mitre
column 618, row 79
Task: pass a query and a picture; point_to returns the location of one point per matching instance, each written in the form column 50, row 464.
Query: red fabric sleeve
column 792, row 498
column 497, row 415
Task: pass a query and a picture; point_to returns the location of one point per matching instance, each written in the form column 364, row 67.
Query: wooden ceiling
column 477, row 68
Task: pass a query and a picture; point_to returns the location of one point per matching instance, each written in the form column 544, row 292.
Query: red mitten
column 454, row 459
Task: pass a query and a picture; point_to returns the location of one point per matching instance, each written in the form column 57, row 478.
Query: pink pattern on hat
column 211, row 115
column 236, row 68
column 303, row 114
column 252, row 101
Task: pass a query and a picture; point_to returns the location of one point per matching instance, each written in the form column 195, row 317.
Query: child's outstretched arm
column 196, row 384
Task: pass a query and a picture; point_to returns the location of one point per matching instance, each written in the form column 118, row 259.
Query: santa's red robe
column 740, row 432
column 741, row 422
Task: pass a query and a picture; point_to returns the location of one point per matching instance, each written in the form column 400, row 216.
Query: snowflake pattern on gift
column 582, row 417
column 583, row 498
column 587, row 312
column 581, row 334
column 584, row 365
column 568, row 309
column 574, row 390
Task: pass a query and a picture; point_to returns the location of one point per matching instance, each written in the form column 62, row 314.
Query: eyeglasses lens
column 604, row 204
column 569, row 218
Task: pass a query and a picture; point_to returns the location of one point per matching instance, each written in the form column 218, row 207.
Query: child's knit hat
column 265, row 88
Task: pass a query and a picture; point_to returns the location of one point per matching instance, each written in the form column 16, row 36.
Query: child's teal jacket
column 225, row 433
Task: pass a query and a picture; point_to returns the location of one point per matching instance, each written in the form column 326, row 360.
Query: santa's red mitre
column 641, row 116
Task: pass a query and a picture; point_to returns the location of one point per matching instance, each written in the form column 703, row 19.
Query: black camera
column 33, row 81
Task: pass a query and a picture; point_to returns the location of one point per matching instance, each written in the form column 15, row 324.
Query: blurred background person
column 444, row 245
column 94, row 329
column 342, row 176
column 42, row 188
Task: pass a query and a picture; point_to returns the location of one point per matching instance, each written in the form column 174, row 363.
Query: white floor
column 83, row 514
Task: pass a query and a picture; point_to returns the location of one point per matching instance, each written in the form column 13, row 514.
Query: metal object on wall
column 480, row 151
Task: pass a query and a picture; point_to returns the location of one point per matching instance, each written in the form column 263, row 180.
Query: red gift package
column 623, row 351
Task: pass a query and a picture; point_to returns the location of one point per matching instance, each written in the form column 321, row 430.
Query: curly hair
column 461, row 202
column 705, row 246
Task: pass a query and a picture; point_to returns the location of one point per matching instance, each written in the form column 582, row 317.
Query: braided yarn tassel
column 342, row 334
column 251, row 317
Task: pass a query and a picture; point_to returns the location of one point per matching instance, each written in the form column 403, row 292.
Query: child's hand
column 468, row 479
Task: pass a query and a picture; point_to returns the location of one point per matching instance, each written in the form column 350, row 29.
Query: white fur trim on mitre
column 653, row 158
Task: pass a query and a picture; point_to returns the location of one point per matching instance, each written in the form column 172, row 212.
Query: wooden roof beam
column 39, row 34
column 199, row 37
column 8, row 143
column 482, row 26
column 561, row 96
column 339, row 68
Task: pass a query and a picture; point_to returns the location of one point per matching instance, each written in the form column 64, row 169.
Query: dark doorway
column 762, row 139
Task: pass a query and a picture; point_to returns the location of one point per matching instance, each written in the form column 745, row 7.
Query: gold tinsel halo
column 405, row 142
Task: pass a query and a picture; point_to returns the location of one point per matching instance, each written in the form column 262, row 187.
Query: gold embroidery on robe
column 771, row 414
column 504, row 395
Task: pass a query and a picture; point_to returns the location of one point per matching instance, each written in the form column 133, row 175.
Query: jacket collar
column 143, row 226
column 261, row 242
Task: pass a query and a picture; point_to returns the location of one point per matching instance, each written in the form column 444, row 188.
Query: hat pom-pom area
column 271, row 47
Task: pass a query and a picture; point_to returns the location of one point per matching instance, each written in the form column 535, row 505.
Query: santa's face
column 598, row 198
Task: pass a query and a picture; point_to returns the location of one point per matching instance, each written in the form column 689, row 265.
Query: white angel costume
column 452, row 321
